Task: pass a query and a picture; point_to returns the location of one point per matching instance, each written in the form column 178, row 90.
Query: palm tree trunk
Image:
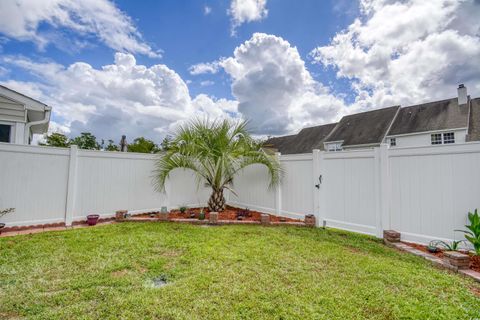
column 216, row 203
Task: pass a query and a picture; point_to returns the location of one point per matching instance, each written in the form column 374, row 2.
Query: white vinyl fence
column 51, row 185
column 425, row 192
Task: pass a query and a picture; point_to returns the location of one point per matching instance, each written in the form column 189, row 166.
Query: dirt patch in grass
column 120, row 273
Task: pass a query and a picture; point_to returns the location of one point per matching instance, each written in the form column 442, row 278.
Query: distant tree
column 143, row 145
column 86, row 140
column 166, row 143
column 55, row 140
column 112, row 146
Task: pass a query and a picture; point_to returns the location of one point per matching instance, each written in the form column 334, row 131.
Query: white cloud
column 404, row 52
column 242, row 11
column 206, row 83
column 274, row 89
column 207, row 10
column 121, row 98
column 21, row 19
column 204, row 67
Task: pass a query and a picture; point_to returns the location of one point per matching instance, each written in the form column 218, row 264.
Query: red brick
column 213, row 218
column 265, row 219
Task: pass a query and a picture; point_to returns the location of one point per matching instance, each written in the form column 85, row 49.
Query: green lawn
column 230, row 272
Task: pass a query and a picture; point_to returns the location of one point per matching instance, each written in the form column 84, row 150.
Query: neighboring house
column 21, row 117
column 448, row 121
column 361, row 130
column 303, row 142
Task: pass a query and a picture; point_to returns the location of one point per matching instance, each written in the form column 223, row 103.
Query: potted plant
column 183, row 209
column 2, row 213
column 201, row 216
column 92, row 219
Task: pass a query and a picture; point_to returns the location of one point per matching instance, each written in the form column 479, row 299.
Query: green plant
column 473, row 232
column 183, row 209
column 452, row 246
column 215, row 151
column 201, row 216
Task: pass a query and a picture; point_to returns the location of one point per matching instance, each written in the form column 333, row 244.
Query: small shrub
column 183, row 209
column 473, row 232
column 452, row 246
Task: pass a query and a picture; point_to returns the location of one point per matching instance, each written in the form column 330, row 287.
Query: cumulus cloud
column 274, row 89
column 404, row 52
column 204, row 67
column 242, row 11
column 21, row 19
column 121, row 98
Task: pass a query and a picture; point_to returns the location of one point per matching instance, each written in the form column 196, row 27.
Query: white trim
column 295, row 157
column 391, row 124
column 425, row 132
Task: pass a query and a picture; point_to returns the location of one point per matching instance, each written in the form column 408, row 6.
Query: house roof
column 35, row 109
column 437, row 115
column 474, row 120
column 303, row 142
column 364, row 128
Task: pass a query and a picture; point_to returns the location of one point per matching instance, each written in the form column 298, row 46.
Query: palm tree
column 215, row 151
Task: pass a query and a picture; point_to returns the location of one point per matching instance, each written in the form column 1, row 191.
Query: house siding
column 424, row 139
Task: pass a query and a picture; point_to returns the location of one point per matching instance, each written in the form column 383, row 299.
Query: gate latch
column 319, row 182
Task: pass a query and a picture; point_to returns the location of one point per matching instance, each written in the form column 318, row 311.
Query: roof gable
column 364, row 128
column 303, row 142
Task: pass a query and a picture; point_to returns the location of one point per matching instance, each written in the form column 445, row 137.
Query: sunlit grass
column 242, row 272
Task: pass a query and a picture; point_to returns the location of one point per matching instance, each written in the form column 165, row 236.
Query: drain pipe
column 34, row 123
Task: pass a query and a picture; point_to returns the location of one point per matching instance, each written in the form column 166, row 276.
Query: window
column 334, row 147
column 449, row 137
column 443, row 138
column 436, row 138
column 393, row 142
column 5, row 131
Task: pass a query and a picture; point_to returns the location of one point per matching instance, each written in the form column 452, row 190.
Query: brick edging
column 219, row 222
column 437, row 262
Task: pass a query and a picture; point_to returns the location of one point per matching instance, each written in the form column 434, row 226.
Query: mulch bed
column 230, row 213
column 474, row 260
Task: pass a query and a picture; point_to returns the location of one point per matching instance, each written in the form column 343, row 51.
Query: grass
column 231, row 272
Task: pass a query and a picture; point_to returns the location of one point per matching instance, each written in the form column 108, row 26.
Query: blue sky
column 303, row 62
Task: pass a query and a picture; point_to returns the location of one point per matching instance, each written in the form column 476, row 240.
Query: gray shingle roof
column 438, row 115
column 474, row 121
column 303, row 142
column 364, row 128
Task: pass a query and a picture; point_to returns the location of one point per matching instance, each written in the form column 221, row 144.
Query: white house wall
column 424, row 139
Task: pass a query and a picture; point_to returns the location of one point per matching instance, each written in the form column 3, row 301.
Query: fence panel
column 33, row 181
column 349, row 190
column 297, row 185
column 432, row 189
column 251, row 188
column 108, row 181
